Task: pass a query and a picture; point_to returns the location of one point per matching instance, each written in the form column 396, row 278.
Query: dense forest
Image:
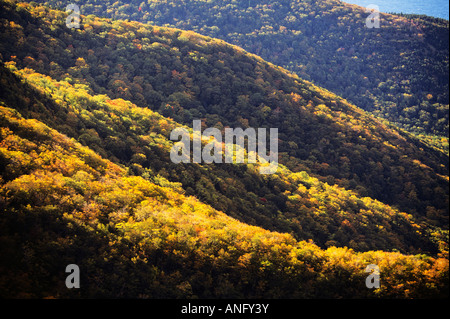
column 185, row 76
column 135, row 239
column 284, row 201
column 85, row 171
column 399, row 72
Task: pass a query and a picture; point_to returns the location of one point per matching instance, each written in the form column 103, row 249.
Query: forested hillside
column 398, row 72
column 184, row 76
column 86, row 176
column 61, row 203
column 290, row 202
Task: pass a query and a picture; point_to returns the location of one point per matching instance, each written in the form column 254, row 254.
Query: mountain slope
column 288, row 202
column 123, row 211
column 399, row 71
column 61, row 204
column 184, row 76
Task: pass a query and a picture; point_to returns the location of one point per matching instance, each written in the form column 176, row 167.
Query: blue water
column 434, row 8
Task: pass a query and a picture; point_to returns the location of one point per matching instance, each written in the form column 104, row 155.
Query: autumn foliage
column 86, row 177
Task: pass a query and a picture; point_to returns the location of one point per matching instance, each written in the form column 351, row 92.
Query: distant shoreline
column 433, row 8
